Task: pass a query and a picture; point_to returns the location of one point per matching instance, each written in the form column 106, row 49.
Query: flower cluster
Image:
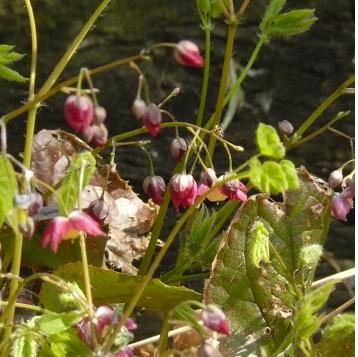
column 342, row 202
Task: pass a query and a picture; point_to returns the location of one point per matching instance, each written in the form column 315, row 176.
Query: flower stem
column 163, row 340
column 223, row 82
column 204, row 88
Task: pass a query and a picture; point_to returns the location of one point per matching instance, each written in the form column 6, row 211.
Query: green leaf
column 109, row 287
column 253, row 297
column 211, row 7
column 8, row 187
column 24, row 346
column 7, row 58
column 272, row 177
column 51, row 324
column 292, row 23
column 269, row 142
column 11, row 75
column 272, row 11
column 338, row 337
column 69, row 191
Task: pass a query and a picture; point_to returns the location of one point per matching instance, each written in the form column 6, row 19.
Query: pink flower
column 139, row 108
column 340, row 207
column 335, row 178
column 207, row 180
column 100, row 115
column 61, row 228
column 152, row 119
column 188, row 54
column 178, row 148
column 78, row 112
column 235, row 190
column 183, row 190
column 215, row 320
column 125, row 352
column 154, row 187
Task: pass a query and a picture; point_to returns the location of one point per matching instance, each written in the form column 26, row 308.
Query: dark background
column 289, row 80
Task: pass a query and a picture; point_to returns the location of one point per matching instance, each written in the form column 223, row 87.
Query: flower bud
column 88, row 134
column 183, row 190
column 139, row 108
column 215, row 320
column 78, row 112
column 27, row 227
column 188, row 54
column 98, row 210
column 152, row 119
column 178, row 148
column 31, row 203
column 100, row 135
column 340, row 207
column 100, row 115
column 235, row 190
column 208, row 177
column 125, row 352
column 208, row 350
column 285, row 127
column 154, row 187
column 349, row 191
column 335, row 178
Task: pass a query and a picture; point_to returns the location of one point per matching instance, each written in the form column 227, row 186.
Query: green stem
column 204, row 88
column 241, row 78
column 223, row 82
column 198, row 276
column 163, row 340
column 324, row 105
column 30, row 131
column 146, row 279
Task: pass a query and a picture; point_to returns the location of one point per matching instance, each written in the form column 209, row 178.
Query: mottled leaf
column 109, row 287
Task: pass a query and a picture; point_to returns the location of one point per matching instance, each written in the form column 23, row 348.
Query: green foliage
column 8, row 187
column 69, row 191
column 258, row 243
column 53, row 324
column 338, row 337
column 7, row 57
column 109, row 287
column 273, row 177
column 310, row 255
column 258, row 295
column 289, row 23
column 211, row 7
column 269, row 142
column 25, row 346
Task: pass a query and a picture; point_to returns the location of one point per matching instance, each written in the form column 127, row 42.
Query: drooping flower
column 139, row 108
column 215, row 320
column 188, row 54
column 100, row 135
column 335, row 178
column 235, row 190
column 207, row 180
column 183, row 190
column 178, row 148
column 152, row 119
column 100, row 115
column 125, row 352
column 154, row 187
column 78, row 112
column 349, row 190
column 98, row 210
column 340, row 207
column 61, row 228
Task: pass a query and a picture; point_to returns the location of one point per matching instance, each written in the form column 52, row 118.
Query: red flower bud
column 100, row 135
column 215, row 320
column 208, row 177
column 98, row 210
column 100, row 115
column 152, row 119
column 178, row 148
column 183, row 190
column 78, row 112
column 188, row 54
column 285, row 127
column 335, row 178
column 154, row 187
column 235, row 190
column 125, row 352
column 340, row 207
column 139, row 108
column 88, row 134
column 349, row 191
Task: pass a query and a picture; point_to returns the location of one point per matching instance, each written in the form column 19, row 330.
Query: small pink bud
column 100, row 115
column 285, row 127
column 27, row 227
column 130, row 325
column 152, row 119
column 139, row 108
column 125, row 352
column 349, row 191
column 208, row 177
column 98, row 210
column 340, row 207
column 31, row 203
column 335, row 178
column 100, row 135
column 188, row 54
column 88, row 134
column 208, row 350
column 235, row 190
column 78, row 112
column 215, row 320
column 154, row 187
column 178, row 148
column 183, row 190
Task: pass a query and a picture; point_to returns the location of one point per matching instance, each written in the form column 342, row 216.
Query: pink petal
column 83, row 222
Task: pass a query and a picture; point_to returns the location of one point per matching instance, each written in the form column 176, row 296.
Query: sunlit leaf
column 269, row 142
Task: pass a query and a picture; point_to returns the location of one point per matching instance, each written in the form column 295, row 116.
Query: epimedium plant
column 63, row 214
